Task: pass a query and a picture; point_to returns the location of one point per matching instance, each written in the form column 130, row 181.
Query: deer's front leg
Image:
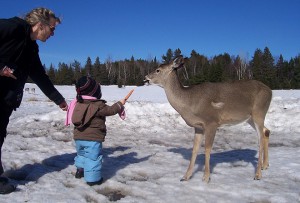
column 197, row 141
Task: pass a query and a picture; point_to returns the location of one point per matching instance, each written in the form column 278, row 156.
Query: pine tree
column 219, row 68
column 177, row 53
column 133, row 72
column 168, row 57
column 268, row 69
column 64, row 75
column 296, row 77
column 88, row 67
column 281, row 74
column 51, row 73
column 256, row 65
column 100, row 73
column 286, row 76
column 77, row 69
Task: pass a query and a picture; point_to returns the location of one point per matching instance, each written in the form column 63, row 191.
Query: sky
column 120, row 29
column 147, row 154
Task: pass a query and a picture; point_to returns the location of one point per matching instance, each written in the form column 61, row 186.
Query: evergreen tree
column 197, row 69
column 286, row 76
column 282, row 74
column 88, row 67
column 219, row 68
column 268, row 69
column 77, row 69
column 215, row 73
column 51, row 73
column 256, row 65
column 226, row 64
column 133, row 72
column 168, row 57
column 100, row 72
column 177, row 53
column 64, row 76
column 69, row 79
column 296, row 75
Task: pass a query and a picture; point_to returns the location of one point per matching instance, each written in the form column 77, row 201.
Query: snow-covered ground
column 146, row 155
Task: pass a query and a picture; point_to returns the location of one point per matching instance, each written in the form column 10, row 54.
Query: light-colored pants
column 89, row 157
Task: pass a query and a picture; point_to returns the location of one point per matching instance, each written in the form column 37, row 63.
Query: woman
column 19, row 58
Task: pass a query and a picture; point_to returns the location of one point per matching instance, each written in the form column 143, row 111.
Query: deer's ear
column 178, row 62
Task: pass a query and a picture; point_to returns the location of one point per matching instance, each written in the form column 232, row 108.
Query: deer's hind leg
column 266, row 134
column 265, row 143
column 210, row 133
column 263, row 154
column 197, row 141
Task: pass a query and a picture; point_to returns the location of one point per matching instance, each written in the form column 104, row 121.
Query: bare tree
column 108, row 65
column 240, row 66
column 123, row 68
column 109, row 68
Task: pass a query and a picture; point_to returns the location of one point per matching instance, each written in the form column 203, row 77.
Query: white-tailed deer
column 209, row 105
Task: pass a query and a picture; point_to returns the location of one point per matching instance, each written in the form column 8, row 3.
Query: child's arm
column 107, row 110
column 115, row 108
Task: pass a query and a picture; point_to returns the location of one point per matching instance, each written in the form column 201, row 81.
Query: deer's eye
column 157, row 70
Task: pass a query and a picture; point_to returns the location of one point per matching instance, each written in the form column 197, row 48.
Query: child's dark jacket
column 89, row 119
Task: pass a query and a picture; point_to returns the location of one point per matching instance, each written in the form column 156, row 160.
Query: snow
column 147, row 154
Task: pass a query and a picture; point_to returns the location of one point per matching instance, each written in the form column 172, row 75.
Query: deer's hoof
column 184, row 178
column 206, row 179
column 257, row 177
column 265, row 167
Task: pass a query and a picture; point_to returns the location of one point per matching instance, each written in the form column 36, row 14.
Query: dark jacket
column 20, row 53
column 89, row 119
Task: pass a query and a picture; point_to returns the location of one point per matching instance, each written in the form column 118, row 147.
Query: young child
column 88, row 112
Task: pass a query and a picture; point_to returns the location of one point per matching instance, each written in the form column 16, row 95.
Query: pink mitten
column 122, row 114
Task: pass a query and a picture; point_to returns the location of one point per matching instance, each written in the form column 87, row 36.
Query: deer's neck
column 177, row 94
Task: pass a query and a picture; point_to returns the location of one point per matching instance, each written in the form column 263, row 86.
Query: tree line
column 276, row 73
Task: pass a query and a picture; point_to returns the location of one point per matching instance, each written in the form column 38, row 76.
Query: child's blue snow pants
column 89, row 157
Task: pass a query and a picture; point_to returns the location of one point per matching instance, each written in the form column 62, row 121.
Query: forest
column 277, row 73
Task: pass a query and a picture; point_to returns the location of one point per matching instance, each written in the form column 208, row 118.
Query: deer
column 207, row 106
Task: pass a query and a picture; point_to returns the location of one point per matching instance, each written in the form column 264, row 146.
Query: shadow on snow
column 230, row 157
column 111, row 164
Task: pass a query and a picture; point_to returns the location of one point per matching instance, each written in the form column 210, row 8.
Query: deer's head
column 161, row 74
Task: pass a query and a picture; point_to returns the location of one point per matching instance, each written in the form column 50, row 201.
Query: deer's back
column 229, row 102
column 231, row 90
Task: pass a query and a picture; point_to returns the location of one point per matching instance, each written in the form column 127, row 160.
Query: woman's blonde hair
column 40, row 15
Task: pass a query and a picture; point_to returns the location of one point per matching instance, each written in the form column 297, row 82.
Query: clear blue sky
column 144, row 29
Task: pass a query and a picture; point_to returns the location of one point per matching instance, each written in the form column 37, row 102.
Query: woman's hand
column 7, row 72
column 64, row 106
